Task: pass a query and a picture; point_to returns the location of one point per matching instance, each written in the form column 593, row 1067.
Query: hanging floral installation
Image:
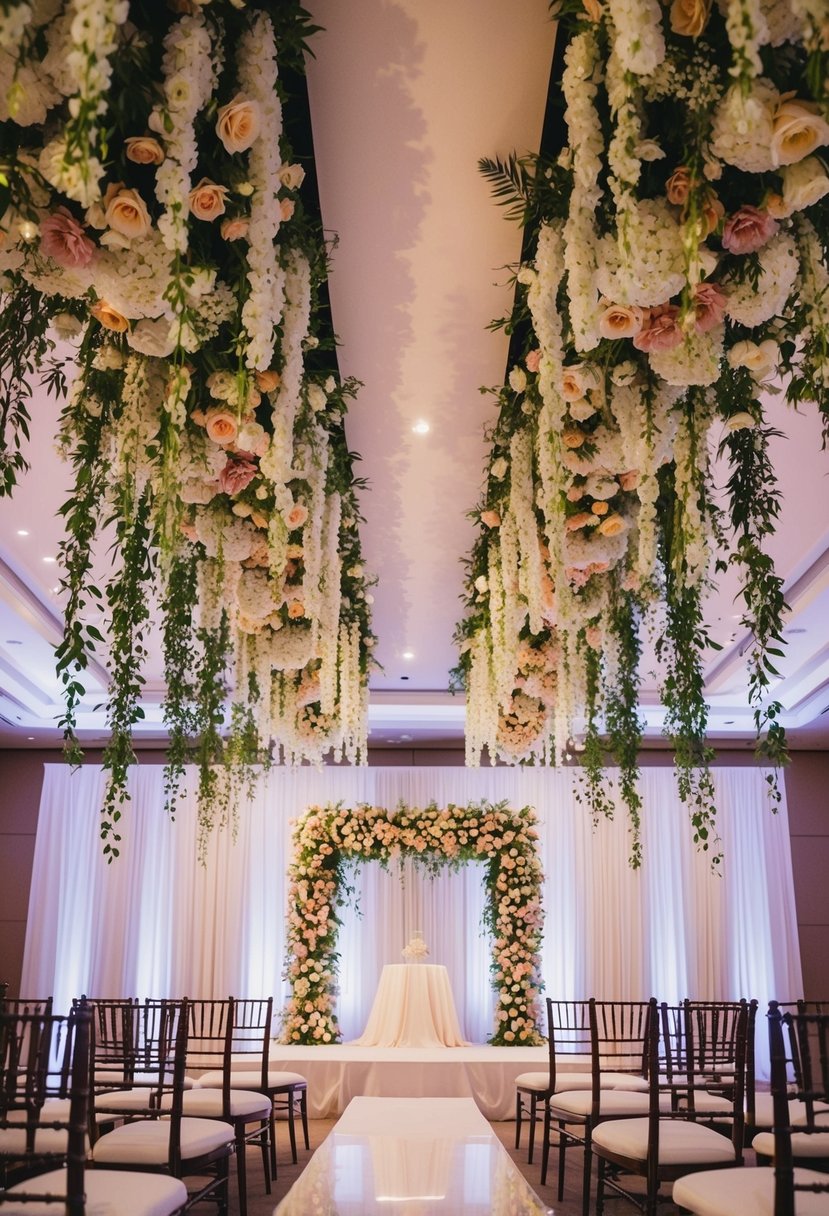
column 154, row 217
column 674, row 276
column 330, row 841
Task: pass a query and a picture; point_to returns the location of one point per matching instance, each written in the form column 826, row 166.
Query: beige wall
column 807, row 782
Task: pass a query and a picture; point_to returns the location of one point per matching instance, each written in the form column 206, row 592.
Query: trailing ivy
column 180, row 664
column 624, row 723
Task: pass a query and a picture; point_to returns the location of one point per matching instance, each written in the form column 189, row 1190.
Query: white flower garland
column 580, row 86
column 277, row 464
column 266, row 280
column 542, row 293
column 639, row 41
column 691, row 457
column 522, row 498
column 814, row 292
column 747, row 32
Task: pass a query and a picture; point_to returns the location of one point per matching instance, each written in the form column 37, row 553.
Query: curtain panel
column 155, row 922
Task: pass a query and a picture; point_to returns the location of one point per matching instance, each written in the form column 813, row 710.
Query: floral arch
column 328, row 839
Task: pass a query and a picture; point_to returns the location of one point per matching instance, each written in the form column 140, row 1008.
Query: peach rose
column 612, row 525
column 287, row 207
column 629, row 480
column 797, row 130
column 234, row 229
column 144, row 150
column 678, row 186
column 266, row 382
column 600, row 508
column 577, row 380
column 491, row 519
column 238, row 124
column 109, row 317
column 776, row 206
column 533, row 360
column 711, row 214
column 582, row 520
column 222, row 425
column 690, row 17
column 125, row 211
column 296, row 609
column 593, row 9
column 620, row 321
column 709, row 306
column 207, row 200
column 63, row 240
column 296, row 517
column 572, row 437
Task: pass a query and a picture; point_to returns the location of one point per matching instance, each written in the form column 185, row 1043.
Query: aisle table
column 413, row 1007
column 424, row 1155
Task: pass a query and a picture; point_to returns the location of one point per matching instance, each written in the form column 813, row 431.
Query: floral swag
column 674, row 281
column 329, row 840
column 156, row 223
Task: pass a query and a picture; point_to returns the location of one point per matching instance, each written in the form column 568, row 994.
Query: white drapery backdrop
column 157, row 923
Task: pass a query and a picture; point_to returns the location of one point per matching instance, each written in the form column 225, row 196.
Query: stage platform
column 338, row 1073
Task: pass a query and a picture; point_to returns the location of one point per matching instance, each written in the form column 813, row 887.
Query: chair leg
column 272, row 1126
column 588, row 1170
column 519, row 1106
column 291, row 1128
column 533, row 1114
column 545, row 1148
column 562, row 1149
column 241, row 1172
column 600, row 1172
column 303, row 1113
column 263, row 1141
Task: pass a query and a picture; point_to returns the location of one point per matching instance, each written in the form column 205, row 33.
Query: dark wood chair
column 214, row 1035
column 288, row 1091
column 153, row 1133
column 799, row 1045
column 618, row 1046
column 671, row 1140
column 44, row 1102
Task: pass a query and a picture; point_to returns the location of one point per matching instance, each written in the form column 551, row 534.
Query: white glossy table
column 413, row 1007
column 411, row 1156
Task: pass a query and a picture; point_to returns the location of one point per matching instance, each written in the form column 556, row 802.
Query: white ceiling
column 405, row 96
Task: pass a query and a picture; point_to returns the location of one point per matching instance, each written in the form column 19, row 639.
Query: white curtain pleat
column 157, row 922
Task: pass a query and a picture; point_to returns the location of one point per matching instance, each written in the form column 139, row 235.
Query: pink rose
column 748, row 230
column 296, row 517
column 709, row 306
column 236, row 475
column 63, row 240
column 661, row 331
column 533, row 360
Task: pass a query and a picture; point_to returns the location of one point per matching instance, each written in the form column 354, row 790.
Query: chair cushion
column 578, row 1103
column 764, row 1111
column 146, row 1142
column 108, row 1193
column 814, row 1144
column 710, row 1104
column 121, row 1100
column 47, row 1140
column 743, row 1191
column 680, row 1140
column 535, row 1082
column 251, row 1080
column 244, row 1103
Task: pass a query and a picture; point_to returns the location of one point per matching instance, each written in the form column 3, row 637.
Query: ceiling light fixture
column 50, row 559
column 407, row 654
column 421, row 427
column 22, row 532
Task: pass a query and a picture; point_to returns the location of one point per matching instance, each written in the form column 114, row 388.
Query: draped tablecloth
column 413, row 1007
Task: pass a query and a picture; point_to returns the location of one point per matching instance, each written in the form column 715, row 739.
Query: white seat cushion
column 680, row 1140
column 568, row 1081
column 250, row 1080
column 764, row 1111
column 244, row 1103
column 744, row 1191
column 121, row 1100
column 108, row 1193
column 814, row 1144
column 537, row 1081
column 47, row 1140
column 579, row 1102
column 146, row 1141
column 710, row 1104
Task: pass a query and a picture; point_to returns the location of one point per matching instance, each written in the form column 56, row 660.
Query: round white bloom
column 498, row 468
column 155, row 338
column 695, row 361
column 804, row 183
column 743, row 127
column 649, row 267
column 778, row 272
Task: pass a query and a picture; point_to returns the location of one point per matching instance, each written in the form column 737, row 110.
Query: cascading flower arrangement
column 153, row 216
column 674, row 275
column 330, row 841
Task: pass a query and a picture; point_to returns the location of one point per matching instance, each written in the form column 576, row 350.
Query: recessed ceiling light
column 50, row 559
column 22, row 532
column 405, row 738
column 407, row 654
column 728, row 722
column 30, row 738
column 13, row 642
column 404, row 677
column 421, row 427
column 795, row 631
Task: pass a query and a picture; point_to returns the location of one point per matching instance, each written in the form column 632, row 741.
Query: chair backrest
column 673, row 1055
column 252, row 1022
column 43, row 1056
column 717, row 1027
column 620, row 1040
column 568, row 1035
column 798, row 1039
column 24, row 1005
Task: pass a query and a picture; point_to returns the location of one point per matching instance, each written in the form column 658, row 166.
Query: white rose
column 740, row 422
column 623, row 374
column 109, row 358
column 316, row 397
column 759, row 358
column 649, row 149
column 581, row 410
column 517, row 380
column 481, row 584
column 153, row 338
column 804, row 184
column 66, row 326
column 499, row 467
column 292, row 176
